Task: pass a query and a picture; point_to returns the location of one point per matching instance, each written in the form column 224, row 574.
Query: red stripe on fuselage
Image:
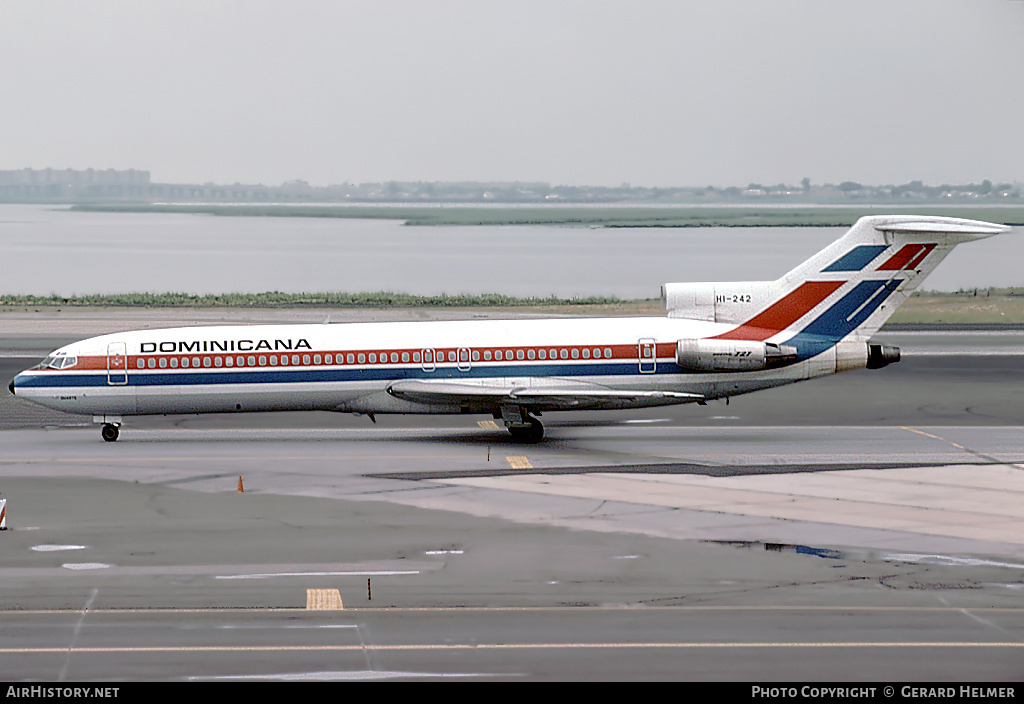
column 780, row 315
column 219, row 361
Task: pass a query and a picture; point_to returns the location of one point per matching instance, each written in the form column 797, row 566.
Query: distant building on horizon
column 44, row 184
column 135, row 186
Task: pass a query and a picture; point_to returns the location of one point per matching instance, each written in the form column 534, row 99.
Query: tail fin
column 847, row 290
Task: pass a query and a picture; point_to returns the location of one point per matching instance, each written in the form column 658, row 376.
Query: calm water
column 48, row 249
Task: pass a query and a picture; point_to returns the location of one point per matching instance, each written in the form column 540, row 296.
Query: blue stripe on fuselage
column 382, row 373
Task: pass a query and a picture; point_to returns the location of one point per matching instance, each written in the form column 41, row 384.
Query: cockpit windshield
column 58, row 360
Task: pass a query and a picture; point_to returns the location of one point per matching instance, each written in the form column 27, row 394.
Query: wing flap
column 544, row 395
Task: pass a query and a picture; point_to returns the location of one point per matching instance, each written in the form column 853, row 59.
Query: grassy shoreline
column 276, row 299
column 991, row 307
column 584, row 216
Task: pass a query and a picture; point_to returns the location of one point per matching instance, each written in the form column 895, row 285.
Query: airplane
column 717, row 340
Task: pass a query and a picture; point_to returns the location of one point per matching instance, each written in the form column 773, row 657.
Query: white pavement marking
column 354, row 573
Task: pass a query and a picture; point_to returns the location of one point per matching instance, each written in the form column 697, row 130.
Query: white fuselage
column 349, row 367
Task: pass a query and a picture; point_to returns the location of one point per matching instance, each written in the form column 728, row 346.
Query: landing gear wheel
column 110, row 432
column 531, row 433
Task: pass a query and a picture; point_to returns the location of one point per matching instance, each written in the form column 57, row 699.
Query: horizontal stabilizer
column 977, row 228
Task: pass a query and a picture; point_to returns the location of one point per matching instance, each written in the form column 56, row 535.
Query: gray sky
column 596, row 92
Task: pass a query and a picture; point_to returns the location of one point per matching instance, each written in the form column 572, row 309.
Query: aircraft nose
column 11, row 386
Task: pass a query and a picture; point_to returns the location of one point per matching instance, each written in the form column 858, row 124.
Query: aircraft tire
column 110, row 432
column 533, row 433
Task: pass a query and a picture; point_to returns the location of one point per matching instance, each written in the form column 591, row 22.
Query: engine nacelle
column 732, row 355
column 690, row 301
column 882, row 355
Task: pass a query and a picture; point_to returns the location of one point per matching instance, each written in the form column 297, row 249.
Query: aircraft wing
column 532, row 392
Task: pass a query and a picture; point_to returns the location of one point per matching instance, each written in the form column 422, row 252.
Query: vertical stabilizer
column 847, row 290
column 875, row 267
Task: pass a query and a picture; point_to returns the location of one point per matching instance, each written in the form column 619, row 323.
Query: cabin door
column 465, row 363
column 647, row 353
column 117, row 364
column 427, row 360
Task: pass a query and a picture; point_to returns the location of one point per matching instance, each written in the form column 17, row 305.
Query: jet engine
column 882, row 355
column 732, row 355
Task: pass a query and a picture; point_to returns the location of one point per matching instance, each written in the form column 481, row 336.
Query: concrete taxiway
column 862, row 527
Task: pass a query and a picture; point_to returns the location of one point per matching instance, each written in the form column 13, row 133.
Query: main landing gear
column 521, row 425
column 110, row 432
column 534, row 432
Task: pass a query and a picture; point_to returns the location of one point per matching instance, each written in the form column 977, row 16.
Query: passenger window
column 405, row 356
column 564, row 354
column 530, row 354
column 362, row 358
column 273, row 360
column 152, row 363
column 498, row 355
column 607, row 352
column 206, row 361
column 305, row 359
column 394, row 357
column 174, row 362
column 263, row 360
column 184, row 361
column 195, row 361
column 543, row 354
column 519, row 354
column 141, row 364
column 487, row 355
column 218, row 361
column 316, row 359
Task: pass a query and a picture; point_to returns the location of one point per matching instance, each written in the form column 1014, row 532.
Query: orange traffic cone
column 240, row 487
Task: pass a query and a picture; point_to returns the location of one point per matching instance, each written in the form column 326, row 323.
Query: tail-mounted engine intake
column 732, row 355
column 718, row 303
